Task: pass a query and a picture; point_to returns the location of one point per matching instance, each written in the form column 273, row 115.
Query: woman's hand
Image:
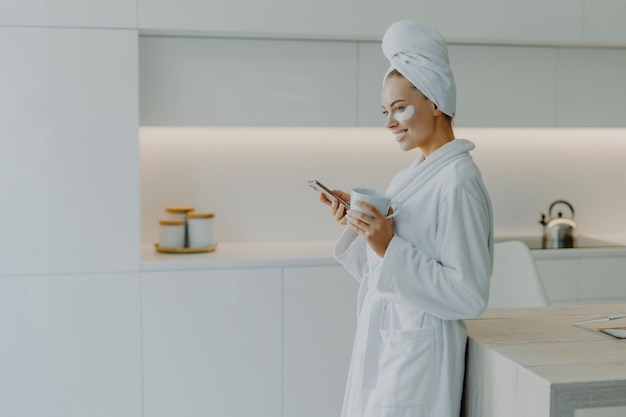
column 377, row 231
column 338, row 210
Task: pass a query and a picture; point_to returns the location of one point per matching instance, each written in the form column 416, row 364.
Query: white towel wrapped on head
column 420, row 54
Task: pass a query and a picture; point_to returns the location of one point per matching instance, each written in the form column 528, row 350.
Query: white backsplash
column 254, row 178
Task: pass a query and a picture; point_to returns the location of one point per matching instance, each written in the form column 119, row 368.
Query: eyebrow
column 392, row 104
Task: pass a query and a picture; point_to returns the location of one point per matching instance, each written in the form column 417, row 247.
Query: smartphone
column 318, row 186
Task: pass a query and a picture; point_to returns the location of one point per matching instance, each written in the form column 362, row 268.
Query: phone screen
column 318, row 186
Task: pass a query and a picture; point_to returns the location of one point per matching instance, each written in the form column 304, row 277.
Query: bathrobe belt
column 375, row 309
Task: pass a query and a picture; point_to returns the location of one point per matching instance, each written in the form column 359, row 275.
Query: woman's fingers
column 338, row 211
column 370, row 208
column 344, row 196
column 377, row 231
column 365, row 223
column 325, row 199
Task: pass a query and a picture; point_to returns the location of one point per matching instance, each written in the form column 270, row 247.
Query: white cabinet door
column 560, row 279
column 212, row 343
column 584, row 279
column 604, row 22
column 501, row 86
column 320, row 321
column 320, row 18
column 253, row 82
column 490, row 20
column 603, row 280
column 372, row 66
column 68, row 151
column 591, row 87
column 71, row 345
column 73, row 13
column 497, row 86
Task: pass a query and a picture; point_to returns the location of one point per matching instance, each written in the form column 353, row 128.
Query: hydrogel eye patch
column 404, row 115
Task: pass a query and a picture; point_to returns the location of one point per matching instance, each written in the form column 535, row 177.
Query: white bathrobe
column 409, row 350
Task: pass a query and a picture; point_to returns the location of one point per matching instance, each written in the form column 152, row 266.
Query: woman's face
column 411, row 117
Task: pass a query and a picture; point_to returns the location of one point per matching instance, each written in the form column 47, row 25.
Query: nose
column 391, row 121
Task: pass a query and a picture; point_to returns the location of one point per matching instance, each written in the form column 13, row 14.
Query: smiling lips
column 400, row 135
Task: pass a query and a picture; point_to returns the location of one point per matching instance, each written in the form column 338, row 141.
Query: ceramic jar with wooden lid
column 200, row 229
column 172, row 233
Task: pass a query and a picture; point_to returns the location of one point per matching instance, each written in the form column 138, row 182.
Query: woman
column 425, row 270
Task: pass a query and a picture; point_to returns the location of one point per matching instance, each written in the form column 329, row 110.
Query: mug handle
column 396, row 209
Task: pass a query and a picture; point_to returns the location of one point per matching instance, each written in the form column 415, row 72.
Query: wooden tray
column 184, row 250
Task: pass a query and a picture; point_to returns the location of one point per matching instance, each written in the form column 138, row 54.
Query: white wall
column 254, row 179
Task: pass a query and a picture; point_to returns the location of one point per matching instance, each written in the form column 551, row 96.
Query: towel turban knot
column 420, row 54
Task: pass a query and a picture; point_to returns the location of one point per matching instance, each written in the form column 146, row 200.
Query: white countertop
column 578, row 252
column 306, row 253
column 243, row 255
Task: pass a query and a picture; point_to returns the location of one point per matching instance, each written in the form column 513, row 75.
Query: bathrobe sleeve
column 350, row 251
column 456, row 284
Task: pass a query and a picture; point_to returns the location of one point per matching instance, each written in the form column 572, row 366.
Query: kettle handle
column 560, row 202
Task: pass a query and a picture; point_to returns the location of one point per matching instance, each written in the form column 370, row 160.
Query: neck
column 443, row 133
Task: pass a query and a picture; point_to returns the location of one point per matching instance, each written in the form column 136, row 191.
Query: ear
column 436, row 111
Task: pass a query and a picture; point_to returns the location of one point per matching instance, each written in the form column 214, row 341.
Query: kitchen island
column 536, row 362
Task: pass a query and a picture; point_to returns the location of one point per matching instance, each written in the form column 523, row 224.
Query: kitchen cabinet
column 560, row 279
column 71, row 345
column 276, row 321
column 312, row 83
column 557, row 22
column 320, row 320
column 590, row 87
column 597, row 278
column 490, row 21
column 371, row 68
column 603, row 280
column 500, row 86
column 486, row 93
column 516, row 86
column 285, row 18
column 69, row 13
column 69, row 152
column 208, row 81
column 212, row 342
column 604, row 22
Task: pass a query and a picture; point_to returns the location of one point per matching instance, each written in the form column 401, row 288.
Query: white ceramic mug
column 378, row 199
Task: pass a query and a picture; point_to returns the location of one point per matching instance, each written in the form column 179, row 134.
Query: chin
column 406, row 146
